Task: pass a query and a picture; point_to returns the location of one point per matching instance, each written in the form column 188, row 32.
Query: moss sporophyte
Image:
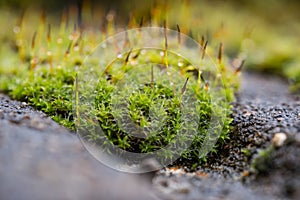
column 139, row 90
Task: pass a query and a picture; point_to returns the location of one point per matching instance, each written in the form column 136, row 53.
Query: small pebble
column 279, row 139
column 280, row 119
column 245, row 173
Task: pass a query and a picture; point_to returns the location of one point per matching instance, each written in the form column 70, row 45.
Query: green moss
column 43, row 75
column 49, row 92
column 139, row 105
column 246, row 152
column 263, row 161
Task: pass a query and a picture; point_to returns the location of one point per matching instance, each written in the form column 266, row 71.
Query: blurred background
column 264, row 33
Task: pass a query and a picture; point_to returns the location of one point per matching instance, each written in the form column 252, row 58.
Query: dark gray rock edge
column 41, row 160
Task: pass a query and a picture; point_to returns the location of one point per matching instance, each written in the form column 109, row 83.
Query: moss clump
column 49, row 92
column 143, row 118
column 162, row 110
column 262, row 163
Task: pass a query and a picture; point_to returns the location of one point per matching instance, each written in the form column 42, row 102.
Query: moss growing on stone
column 44, row 71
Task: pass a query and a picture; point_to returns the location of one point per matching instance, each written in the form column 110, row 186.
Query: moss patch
column 42, row 68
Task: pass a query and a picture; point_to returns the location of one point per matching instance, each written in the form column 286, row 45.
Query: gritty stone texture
column 201, row 186
column 263, row 108
column 282, row 177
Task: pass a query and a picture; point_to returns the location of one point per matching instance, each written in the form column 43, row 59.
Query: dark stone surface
column 41, row 160
column 263, row 88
